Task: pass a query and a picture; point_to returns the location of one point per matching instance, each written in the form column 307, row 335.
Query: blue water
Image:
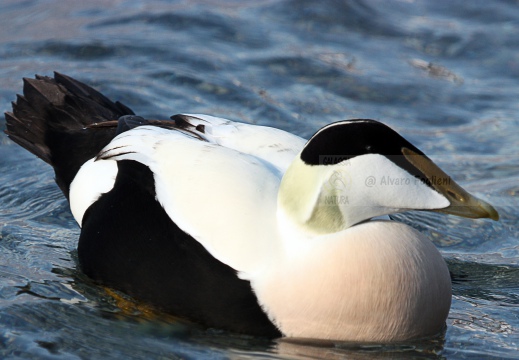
column 445, row 74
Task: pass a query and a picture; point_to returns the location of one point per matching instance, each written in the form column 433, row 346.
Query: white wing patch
column 92, row 180
column 223, row 198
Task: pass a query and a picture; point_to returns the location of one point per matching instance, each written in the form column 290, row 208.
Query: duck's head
column 351, row 171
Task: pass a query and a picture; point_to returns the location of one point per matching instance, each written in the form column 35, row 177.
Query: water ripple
column 444, row 74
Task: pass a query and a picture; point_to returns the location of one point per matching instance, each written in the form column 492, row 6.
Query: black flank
column 128, row 242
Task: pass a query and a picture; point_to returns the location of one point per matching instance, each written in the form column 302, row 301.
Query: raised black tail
column 53, row 120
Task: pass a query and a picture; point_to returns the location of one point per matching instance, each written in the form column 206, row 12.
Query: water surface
column 445, row 74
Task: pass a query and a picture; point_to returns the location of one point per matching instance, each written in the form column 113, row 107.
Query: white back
column 275, row 146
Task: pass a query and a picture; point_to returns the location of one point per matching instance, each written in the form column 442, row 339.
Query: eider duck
column 248, row 228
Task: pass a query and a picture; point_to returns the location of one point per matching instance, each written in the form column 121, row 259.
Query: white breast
column 378, row 281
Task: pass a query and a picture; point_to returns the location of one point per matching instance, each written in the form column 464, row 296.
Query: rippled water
column 443, row 73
